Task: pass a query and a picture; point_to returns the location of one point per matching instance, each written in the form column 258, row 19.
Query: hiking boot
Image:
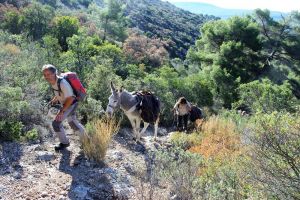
column 61, row 146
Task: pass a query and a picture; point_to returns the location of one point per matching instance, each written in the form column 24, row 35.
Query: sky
column 274, row 5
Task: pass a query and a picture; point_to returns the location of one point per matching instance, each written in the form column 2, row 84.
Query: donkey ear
column 112, row 87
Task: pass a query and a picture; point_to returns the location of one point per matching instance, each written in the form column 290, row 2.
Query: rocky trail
column 36, row 171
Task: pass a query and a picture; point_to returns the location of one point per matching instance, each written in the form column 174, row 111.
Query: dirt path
column 36, row 171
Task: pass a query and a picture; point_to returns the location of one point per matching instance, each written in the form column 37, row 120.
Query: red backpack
column 73, row 80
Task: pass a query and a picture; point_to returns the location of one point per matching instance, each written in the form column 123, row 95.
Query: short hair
column 50, row 68
column 182, row 100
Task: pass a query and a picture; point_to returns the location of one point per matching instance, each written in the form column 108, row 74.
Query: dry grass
column 12, row 49
column 98, row 138
column 185, row 141
column 220, row 140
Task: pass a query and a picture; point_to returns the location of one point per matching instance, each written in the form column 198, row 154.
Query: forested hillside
column 243, row 72
column 157, row 19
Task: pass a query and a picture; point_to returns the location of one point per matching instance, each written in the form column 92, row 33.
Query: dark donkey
column 196, row 116
column 137, row 106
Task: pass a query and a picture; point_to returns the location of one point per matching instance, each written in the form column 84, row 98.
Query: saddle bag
column 149, row 106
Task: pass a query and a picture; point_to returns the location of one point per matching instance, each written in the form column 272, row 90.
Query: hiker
column 66, row 97
column 182, row 108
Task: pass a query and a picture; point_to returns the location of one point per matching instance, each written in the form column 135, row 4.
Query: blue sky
column 274, row 5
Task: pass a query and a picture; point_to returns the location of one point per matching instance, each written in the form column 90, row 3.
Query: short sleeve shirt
column 182, row 109
column 66, row 91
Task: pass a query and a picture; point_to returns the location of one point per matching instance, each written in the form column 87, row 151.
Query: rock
column 8, row 170
column 81, row 191
column 34, row 147
column 157, row 145
column 88, row 164
column 2, row 188
column 117, row 155
column 140, row 148
column 44, row 194
column 129, row 168
column 76, row 162
column 45, row 156
column 62, row 197
column 17, row 175
column 162, row 131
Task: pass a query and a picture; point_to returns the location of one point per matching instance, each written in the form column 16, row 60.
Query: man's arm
column 54, row 100
column 68, row 92
column 67, row 103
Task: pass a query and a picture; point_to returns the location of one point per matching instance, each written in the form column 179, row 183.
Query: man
column 69, row 104
column 182, row 108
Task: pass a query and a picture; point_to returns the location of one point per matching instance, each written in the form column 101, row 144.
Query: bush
column 180, row 169
column 32, row 135
column 99, row 88
column 266, row 97
column 185, row 141
column 275, row 154
column 90, row 109
column 14, row 112
column 98, row 138
column 10, row 130
column 63, row 28
column 220, row 140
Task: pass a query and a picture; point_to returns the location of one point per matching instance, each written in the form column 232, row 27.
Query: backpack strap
column 58, row 85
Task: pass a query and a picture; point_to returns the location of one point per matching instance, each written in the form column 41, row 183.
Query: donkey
column 130, row 103
column 196, row 117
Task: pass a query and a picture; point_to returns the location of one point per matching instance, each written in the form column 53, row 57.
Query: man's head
column 49, row 72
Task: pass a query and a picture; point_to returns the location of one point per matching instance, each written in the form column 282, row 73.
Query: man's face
column 49, row 76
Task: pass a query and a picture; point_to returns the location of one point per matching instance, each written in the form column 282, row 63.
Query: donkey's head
column 113, row 100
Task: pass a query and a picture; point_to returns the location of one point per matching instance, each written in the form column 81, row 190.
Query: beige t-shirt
column 182, row 109
column 66, row 91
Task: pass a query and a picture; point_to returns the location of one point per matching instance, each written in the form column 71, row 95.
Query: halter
column 111, row 106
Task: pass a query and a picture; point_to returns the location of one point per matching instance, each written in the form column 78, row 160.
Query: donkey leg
column 145, row 127
column 138, row 127
column 155, row 128
column 133, row 124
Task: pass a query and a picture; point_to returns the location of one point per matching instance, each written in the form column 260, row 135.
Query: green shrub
column 266, row 97
column 32, row 135
column 185, row 141
column 14, row 112
column 10, row 130
column 180, row 169
column 99, row 83
column 90, row 109
column 275, row 154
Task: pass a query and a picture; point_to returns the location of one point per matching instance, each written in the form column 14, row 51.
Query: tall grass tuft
column 99, row 135
column 220, row 139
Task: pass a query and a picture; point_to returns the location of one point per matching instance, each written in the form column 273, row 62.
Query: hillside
column 163, row 20
column 243, row 73
column 224, row 13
